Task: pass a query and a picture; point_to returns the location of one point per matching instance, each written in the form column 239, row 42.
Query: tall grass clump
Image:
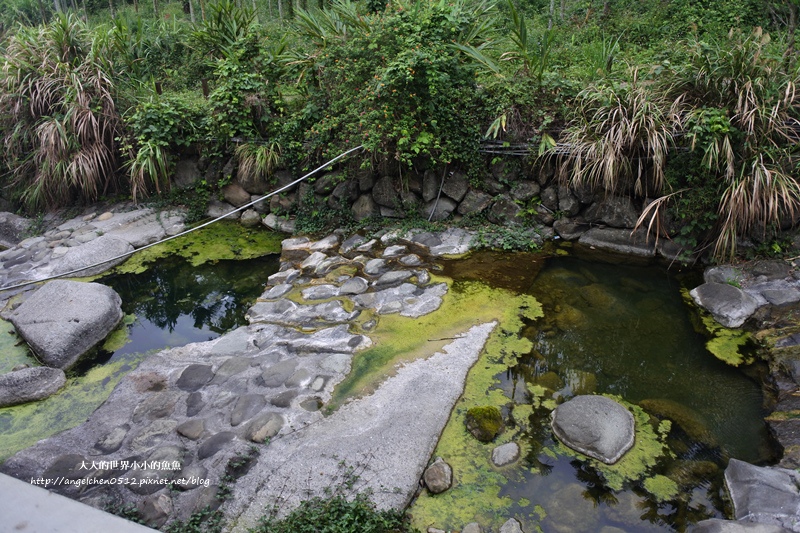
column 58, row 115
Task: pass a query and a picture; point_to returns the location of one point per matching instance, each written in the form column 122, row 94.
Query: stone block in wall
column 525, row 190
column 187, row 172
column 413, row 182
column 474, row 202
column 504, row 170
column 503, row 211
column 366, row 180
column 282, row 202
column 364, row 207
column 549, row 197
column 327, row 182
column 254, row 183
column 441, row 209
column 282, row 178
column 384, row 193
column 262, row 207
column 430, row 185
column 567, row 202
column 235, row 195
column 456, row 185
column 613, row 211
column 344, row 194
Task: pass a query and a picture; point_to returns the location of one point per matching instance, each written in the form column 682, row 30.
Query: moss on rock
column 484, row 422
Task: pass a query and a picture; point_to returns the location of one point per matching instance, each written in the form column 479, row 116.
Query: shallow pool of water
column 623, row 331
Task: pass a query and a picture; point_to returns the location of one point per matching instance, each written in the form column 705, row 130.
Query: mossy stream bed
column 604, row 328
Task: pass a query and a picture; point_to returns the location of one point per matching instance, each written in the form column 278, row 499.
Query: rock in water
column 30, row 384
column 63, row 320
column 595, row 426
column 439, row 476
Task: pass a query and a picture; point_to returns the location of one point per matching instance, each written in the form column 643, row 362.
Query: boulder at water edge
column 63, row 320
column 30, row 384
column 595, row 426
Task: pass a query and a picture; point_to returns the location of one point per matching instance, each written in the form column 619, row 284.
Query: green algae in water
column 222, row 240
column 731, row 346
column 15, row 351
column 23, row 425
column 398, row 339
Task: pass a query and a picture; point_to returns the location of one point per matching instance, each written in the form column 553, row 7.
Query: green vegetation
column 691, row 104
column 485, row 422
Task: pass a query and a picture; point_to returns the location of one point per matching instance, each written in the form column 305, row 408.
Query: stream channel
column 607, row 328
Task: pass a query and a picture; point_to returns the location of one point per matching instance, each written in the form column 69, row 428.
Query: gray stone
column 524, row 190
column 568, row 229
column 768, row 495
column 393, row 278
column 156, row 509
column 343, row 194
column 456, row 185
column 567, row 202
column 438, row 476
column 235, row 194
column 112, row 441
column 30, row 384
column 284, row 399
column 716, row 525
column 320, row 292
column 375, row 267
column 614, row 211
column 411, row 260
column 284, row 277
column 511, row 526
column 327, row 244
column 335, row 339
column 356, row 285
column 366, row 181
column 440, row 209
column 595, row 426
column 250, row 218
column 504, row 211
column 264, row 426
column 365, row 207
column 394, row 251
column 246, row 407
column 549, row 197
column 620, row 241
column 261, row 206
column 194, row 404
column 63, row 320
column 107, row 248
column 367, row 247
column 505, row 454
column 299, row 378
column 214, row 444
column 338, row 363
column 474, row 202
column 472, row 527
column 192, row 429
column 231, row 367
column 194, row 377
column 384, row 192
column 191, row 477
column 330, row 264
column 430, row 185
column 217, row 209
column 312, row 261
column 351, row 243
column 12, row 229
column 279, row 223
column 288, row 313
column 729, row 305
column 275, row 375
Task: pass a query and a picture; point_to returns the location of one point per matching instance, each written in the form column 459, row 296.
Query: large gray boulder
column 30, row 384
column 63, row 320
column 12, row 229
column 595, row 426
column 766, row 495
column 622, row 241
column 729, row 305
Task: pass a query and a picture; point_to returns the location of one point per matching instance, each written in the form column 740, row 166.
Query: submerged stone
column 595, row 426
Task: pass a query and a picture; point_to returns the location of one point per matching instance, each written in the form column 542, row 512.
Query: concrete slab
column 32, row 509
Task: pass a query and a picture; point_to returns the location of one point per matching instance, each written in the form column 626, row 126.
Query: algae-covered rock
column 484, row 422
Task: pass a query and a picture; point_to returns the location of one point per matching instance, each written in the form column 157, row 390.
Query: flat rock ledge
column 768, row 496
column 595, row 426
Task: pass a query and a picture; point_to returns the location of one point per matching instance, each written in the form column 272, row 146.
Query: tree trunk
column 155, row 8
column 110, row 7
column 191, row 11
column 202, row 9
column 552, row 14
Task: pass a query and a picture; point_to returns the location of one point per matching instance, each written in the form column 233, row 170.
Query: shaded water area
column 170, row 304
column 623, row 331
